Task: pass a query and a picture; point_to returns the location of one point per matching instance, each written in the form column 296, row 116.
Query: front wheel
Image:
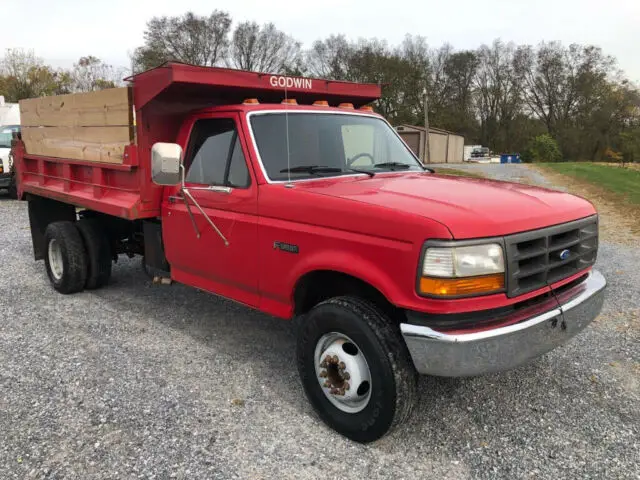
column 355, row 368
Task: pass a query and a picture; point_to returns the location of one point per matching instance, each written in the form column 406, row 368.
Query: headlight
column 459, row 271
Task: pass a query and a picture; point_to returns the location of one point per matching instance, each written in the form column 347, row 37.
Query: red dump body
column 163, row 98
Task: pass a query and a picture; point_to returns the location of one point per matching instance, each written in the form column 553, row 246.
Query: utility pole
column 427, row 155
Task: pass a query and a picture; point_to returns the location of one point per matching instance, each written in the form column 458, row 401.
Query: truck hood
column 469, row 207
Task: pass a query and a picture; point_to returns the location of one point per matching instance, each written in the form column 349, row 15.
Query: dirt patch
column 625, row 321
column 619, row 220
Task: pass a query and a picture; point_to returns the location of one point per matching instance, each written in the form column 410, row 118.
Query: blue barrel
column 510, row 158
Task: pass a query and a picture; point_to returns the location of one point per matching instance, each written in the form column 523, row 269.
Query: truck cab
column 293, row 197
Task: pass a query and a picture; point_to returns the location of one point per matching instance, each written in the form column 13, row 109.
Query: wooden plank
column 112, row 107
column 93, row 144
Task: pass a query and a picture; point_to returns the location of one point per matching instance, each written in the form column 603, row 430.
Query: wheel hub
column 343, row 372
column 335, row 375
column 55, row 259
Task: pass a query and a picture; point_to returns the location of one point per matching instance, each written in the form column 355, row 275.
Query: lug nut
column 342, row 366
column 323, row 374
column 335, row 359
column 346, row 375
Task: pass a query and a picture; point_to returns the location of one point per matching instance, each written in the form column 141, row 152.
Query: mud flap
column 154, row 256
column 42, row 212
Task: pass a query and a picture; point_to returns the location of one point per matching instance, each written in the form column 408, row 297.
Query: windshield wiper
column 393, row 165
column 311, row 169
column 366, row 172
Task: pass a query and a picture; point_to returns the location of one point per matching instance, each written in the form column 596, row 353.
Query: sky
column 61, row 31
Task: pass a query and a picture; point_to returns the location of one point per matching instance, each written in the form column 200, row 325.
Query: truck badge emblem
column 564, row 254
column 286, row 247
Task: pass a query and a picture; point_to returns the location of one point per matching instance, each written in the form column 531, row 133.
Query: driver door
column 220, row 180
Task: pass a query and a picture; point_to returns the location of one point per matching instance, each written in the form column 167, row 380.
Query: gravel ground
column 144, row 381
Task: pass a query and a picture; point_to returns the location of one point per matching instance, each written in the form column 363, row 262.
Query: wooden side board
column 94, row 126
column 93, row 144
column 110, row 107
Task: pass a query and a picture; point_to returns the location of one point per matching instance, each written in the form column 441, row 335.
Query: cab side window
column 214, row 155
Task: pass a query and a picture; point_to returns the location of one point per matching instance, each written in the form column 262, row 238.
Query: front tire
column 65, row 257
column 355, row 368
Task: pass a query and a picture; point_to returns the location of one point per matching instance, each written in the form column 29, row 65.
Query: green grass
column 458, row 173
column 621, row 181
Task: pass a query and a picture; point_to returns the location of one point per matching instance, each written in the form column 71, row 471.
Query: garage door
column 412, row 139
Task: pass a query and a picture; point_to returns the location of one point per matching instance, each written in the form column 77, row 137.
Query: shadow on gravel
column 267, row 347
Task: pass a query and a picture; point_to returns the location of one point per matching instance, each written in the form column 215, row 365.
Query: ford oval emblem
column 564, row 254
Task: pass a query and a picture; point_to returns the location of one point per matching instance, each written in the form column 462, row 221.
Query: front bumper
column 492, row 350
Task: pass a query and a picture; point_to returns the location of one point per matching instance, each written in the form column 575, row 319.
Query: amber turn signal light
column 289, row 101
column 452, row 287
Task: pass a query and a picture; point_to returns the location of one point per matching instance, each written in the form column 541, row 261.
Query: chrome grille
column 534, row 258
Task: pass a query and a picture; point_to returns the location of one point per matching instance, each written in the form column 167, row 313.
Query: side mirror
column 165, row 163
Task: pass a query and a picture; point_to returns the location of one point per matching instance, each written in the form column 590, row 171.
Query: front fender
column 348, row 263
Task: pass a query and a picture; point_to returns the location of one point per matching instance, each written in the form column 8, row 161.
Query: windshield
column 325, row 144
column 6, row 134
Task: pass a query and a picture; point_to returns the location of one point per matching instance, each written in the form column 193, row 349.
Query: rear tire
column 98, row 251
column 385, row 382
column 65, row 257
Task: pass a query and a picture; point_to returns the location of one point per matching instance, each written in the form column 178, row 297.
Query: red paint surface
column 370, row 228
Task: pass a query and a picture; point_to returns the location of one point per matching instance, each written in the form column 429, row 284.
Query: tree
column 437, row 83
column 498, row 96
column 263, row 48
column 26, row 76
column 630, row 146
column 555, row 79
column 460, row 69
column 543, row 148
column 371, row 61
column 194, row 39
column 91, row 74
column 329, row 58
column 414, row 51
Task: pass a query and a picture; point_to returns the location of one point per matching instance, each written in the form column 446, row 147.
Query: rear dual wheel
column 65, row 259
column 77, row 256
column 98, row 251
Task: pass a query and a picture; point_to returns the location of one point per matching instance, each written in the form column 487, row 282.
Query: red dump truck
column 291, row 196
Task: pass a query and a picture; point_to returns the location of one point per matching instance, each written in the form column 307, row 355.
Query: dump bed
column 93, row 149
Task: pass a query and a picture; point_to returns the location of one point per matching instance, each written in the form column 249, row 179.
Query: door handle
column 219, row 189
column 210, row 188
column 175, row 198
